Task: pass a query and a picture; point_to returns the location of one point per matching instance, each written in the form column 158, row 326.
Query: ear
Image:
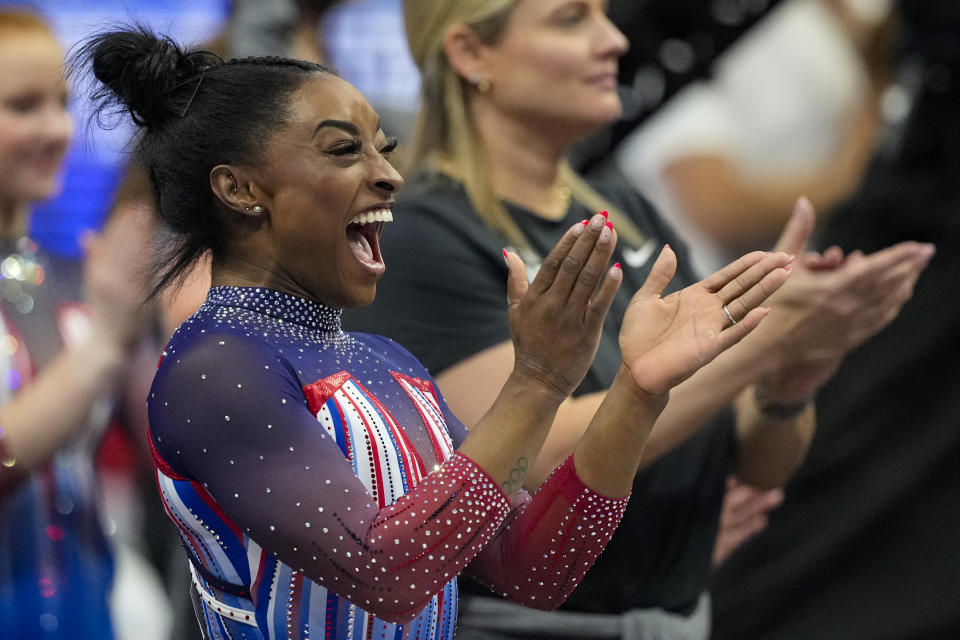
column 466, row 54
column 234, row 189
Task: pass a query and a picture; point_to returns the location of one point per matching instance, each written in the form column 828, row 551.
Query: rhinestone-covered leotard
column 314, row 479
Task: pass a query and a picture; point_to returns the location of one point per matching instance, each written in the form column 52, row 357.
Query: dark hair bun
column 147, row 75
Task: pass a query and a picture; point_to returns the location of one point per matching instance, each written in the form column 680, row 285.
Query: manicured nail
column 615, row 270
column 506, row 258
column 605, row 214
column 579, row 227
column 607, row 232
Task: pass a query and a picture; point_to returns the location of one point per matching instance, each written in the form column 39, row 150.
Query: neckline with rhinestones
column 282, row 306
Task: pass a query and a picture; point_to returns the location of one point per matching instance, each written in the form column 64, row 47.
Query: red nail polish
column 616, row 266
column 609, row 225
column 605, row 214
column 585, row 222
column 505, row 256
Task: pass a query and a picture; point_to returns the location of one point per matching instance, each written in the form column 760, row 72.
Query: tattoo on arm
column 517, row 475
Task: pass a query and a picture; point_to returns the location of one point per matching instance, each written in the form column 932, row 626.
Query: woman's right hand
column 556, row 320
column 664, row 341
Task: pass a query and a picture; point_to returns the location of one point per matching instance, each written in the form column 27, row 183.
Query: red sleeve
column 548, row 544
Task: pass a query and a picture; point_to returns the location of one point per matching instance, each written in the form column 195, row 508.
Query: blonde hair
column 22, row 20
column 446, row 138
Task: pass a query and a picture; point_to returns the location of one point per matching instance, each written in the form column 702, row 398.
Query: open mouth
column 363, row 236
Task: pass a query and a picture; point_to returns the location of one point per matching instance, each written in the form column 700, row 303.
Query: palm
column 663, row 341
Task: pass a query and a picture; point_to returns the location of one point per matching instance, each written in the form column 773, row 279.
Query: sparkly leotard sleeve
column 314, row 479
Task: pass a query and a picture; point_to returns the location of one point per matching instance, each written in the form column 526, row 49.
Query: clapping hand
column 664, row 340
column 556, row 320
column 832, row 304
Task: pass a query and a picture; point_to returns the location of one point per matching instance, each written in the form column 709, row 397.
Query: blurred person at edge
column 508, row 85
column 61, row 360
column 792, row 107
column 881, row 484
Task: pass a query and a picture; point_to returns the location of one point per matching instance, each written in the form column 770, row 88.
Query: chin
column 360, row 297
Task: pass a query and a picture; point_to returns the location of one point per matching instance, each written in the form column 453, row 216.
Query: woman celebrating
column 319, row 482
column 60, row 359
column 508, row 85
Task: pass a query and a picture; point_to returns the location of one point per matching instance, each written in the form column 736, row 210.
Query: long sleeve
column 229, row 416
column 549, row 542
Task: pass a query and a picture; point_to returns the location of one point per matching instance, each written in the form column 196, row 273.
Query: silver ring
column 729, row 315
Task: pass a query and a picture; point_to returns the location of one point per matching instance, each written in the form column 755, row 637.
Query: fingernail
column 506, row 258
column 766, row 311
column 605, row 214
column 580, row 226
column 788, row 269
column 615, row 271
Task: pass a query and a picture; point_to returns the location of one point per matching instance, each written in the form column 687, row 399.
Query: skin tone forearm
column 508, row 437
column 466, row 386
column 608, row 455
column 770, row 449
column 35, row 425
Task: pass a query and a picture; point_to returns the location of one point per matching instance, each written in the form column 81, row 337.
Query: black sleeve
column 444, row 294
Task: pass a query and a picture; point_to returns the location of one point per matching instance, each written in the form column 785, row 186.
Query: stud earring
column 257, row 209
column 483, row 85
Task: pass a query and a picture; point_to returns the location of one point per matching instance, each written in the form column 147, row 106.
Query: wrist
column 776, row 408
column 625, row 382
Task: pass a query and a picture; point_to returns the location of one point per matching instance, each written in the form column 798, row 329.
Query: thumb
column 797, row 231
column 660, row 274
column 516, row 279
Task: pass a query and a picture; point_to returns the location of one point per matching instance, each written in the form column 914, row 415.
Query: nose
column 385, row 178
column 58, row 125
column 612, row 41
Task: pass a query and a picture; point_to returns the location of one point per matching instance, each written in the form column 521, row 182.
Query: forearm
column 692, row 404
column 770, row 447
column 548, row 544
column 609, row 453
column 48, row 412
column 699, row 399
column 508, row 438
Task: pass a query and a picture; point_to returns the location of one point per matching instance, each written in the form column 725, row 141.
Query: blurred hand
column 556, row 320
column 664, row 341
column 831, row 305
column 116, row 275
column 744, row 515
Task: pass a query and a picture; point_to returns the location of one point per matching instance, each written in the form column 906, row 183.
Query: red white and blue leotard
column 314, row 479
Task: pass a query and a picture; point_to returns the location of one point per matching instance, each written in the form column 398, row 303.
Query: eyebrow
column 346, row 125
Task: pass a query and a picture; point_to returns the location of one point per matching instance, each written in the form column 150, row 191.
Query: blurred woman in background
column 508, row 86
column 61, row 360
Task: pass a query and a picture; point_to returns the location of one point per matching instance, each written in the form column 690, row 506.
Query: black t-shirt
column 444, row 298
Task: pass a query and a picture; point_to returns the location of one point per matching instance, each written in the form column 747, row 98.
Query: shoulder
column 391, row 352
column 200, row 344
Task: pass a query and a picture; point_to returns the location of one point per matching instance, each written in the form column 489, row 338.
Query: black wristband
column 779, row 410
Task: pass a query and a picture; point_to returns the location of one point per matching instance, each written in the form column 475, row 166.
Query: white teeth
column 377, row 215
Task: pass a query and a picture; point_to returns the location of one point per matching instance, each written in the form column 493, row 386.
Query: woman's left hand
column 664, row 341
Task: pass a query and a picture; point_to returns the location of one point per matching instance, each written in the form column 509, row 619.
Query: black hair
column 194, row 111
